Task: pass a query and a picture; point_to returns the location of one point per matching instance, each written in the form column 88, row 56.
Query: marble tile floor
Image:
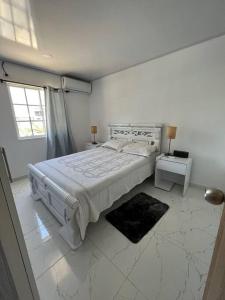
column 170, row 263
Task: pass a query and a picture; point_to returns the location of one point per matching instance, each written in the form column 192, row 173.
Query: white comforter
column 96, row 178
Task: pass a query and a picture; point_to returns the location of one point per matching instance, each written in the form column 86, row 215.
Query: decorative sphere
column 214, row 196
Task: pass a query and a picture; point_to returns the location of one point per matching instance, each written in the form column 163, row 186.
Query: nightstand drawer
column 171, row 167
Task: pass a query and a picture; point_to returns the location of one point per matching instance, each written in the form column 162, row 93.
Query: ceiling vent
column 74, row 85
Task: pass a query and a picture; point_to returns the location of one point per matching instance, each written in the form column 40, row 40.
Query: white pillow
column 148, row 142
column 115, row 144
column 139, row 149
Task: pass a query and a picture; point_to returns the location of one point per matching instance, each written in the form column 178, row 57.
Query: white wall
column 22, row 152
column 185, row 88
column 31, row 75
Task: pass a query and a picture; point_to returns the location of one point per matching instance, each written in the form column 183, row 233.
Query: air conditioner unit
column 74, row 85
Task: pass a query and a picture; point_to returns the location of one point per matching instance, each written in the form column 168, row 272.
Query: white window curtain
column 59, row 142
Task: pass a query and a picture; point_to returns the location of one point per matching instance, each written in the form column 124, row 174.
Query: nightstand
column 89, row 145
column 170, row 170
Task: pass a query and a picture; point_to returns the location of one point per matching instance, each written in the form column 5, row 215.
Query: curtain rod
column 40, row 86
column 11, row 81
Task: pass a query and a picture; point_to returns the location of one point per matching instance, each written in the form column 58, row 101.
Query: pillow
column 139, row 149
column 148, row 142
column 115, row 144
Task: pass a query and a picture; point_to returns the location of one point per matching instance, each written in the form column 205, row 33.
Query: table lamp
column 171, row 135
column 94, row 131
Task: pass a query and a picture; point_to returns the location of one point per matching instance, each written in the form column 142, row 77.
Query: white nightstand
column 89, row 145
column 170, row 170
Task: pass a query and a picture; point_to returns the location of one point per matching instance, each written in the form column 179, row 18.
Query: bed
column 76, row 188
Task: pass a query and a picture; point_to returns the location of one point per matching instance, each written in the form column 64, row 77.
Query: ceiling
column 92, row 38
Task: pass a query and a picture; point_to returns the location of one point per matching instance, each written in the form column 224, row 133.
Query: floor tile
column 31, row 219
column 129, row 292
column 123, row 253
column 32, row 214
column 45, row 247
column 166, row 271
column 195, row 231
column 84, row 274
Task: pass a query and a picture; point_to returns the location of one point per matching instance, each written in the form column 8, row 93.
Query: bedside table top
column 175, row 159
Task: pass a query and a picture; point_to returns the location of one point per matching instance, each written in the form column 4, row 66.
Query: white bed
column 78, row 187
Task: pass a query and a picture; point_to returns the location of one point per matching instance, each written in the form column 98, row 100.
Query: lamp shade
column 171, row 132
column 93, row 129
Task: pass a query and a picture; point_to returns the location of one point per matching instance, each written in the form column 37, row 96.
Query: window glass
column 38, row 128
column 24, row 129
column 29, row 110
column 36, row 113
column 21, row 113
column 17, row 95
column 33, row 97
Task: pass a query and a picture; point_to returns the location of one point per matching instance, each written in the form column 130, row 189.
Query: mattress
column 96, row 178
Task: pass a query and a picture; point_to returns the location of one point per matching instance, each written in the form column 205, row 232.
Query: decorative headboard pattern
column 137, row 132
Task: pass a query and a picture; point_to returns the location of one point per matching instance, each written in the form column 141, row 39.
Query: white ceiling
column 92, row 38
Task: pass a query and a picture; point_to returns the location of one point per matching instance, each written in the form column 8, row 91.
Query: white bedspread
column 96, row 178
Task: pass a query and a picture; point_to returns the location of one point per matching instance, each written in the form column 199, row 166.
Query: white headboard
column 137, row 132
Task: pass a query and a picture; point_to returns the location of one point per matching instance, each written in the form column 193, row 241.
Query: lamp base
column 168, row 153
column 94, row 143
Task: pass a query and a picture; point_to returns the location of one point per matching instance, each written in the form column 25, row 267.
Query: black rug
column 137, row 216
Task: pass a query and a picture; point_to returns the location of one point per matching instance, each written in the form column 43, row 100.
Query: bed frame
column 63, row 205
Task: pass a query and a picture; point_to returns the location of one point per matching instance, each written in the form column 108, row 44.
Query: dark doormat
column 137, row 216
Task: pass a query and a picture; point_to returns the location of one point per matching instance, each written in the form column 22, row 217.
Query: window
column 28, row 105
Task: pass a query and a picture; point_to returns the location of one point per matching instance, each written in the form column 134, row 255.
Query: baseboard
column 198, row 185
column 19, row 178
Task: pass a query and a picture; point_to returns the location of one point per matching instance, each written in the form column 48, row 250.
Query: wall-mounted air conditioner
column 74, row 85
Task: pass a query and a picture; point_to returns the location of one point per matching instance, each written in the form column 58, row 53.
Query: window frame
column 24, row 87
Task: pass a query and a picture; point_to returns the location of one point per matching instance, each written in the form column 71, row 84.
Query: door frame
column 215, row 287
column 13, row 243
